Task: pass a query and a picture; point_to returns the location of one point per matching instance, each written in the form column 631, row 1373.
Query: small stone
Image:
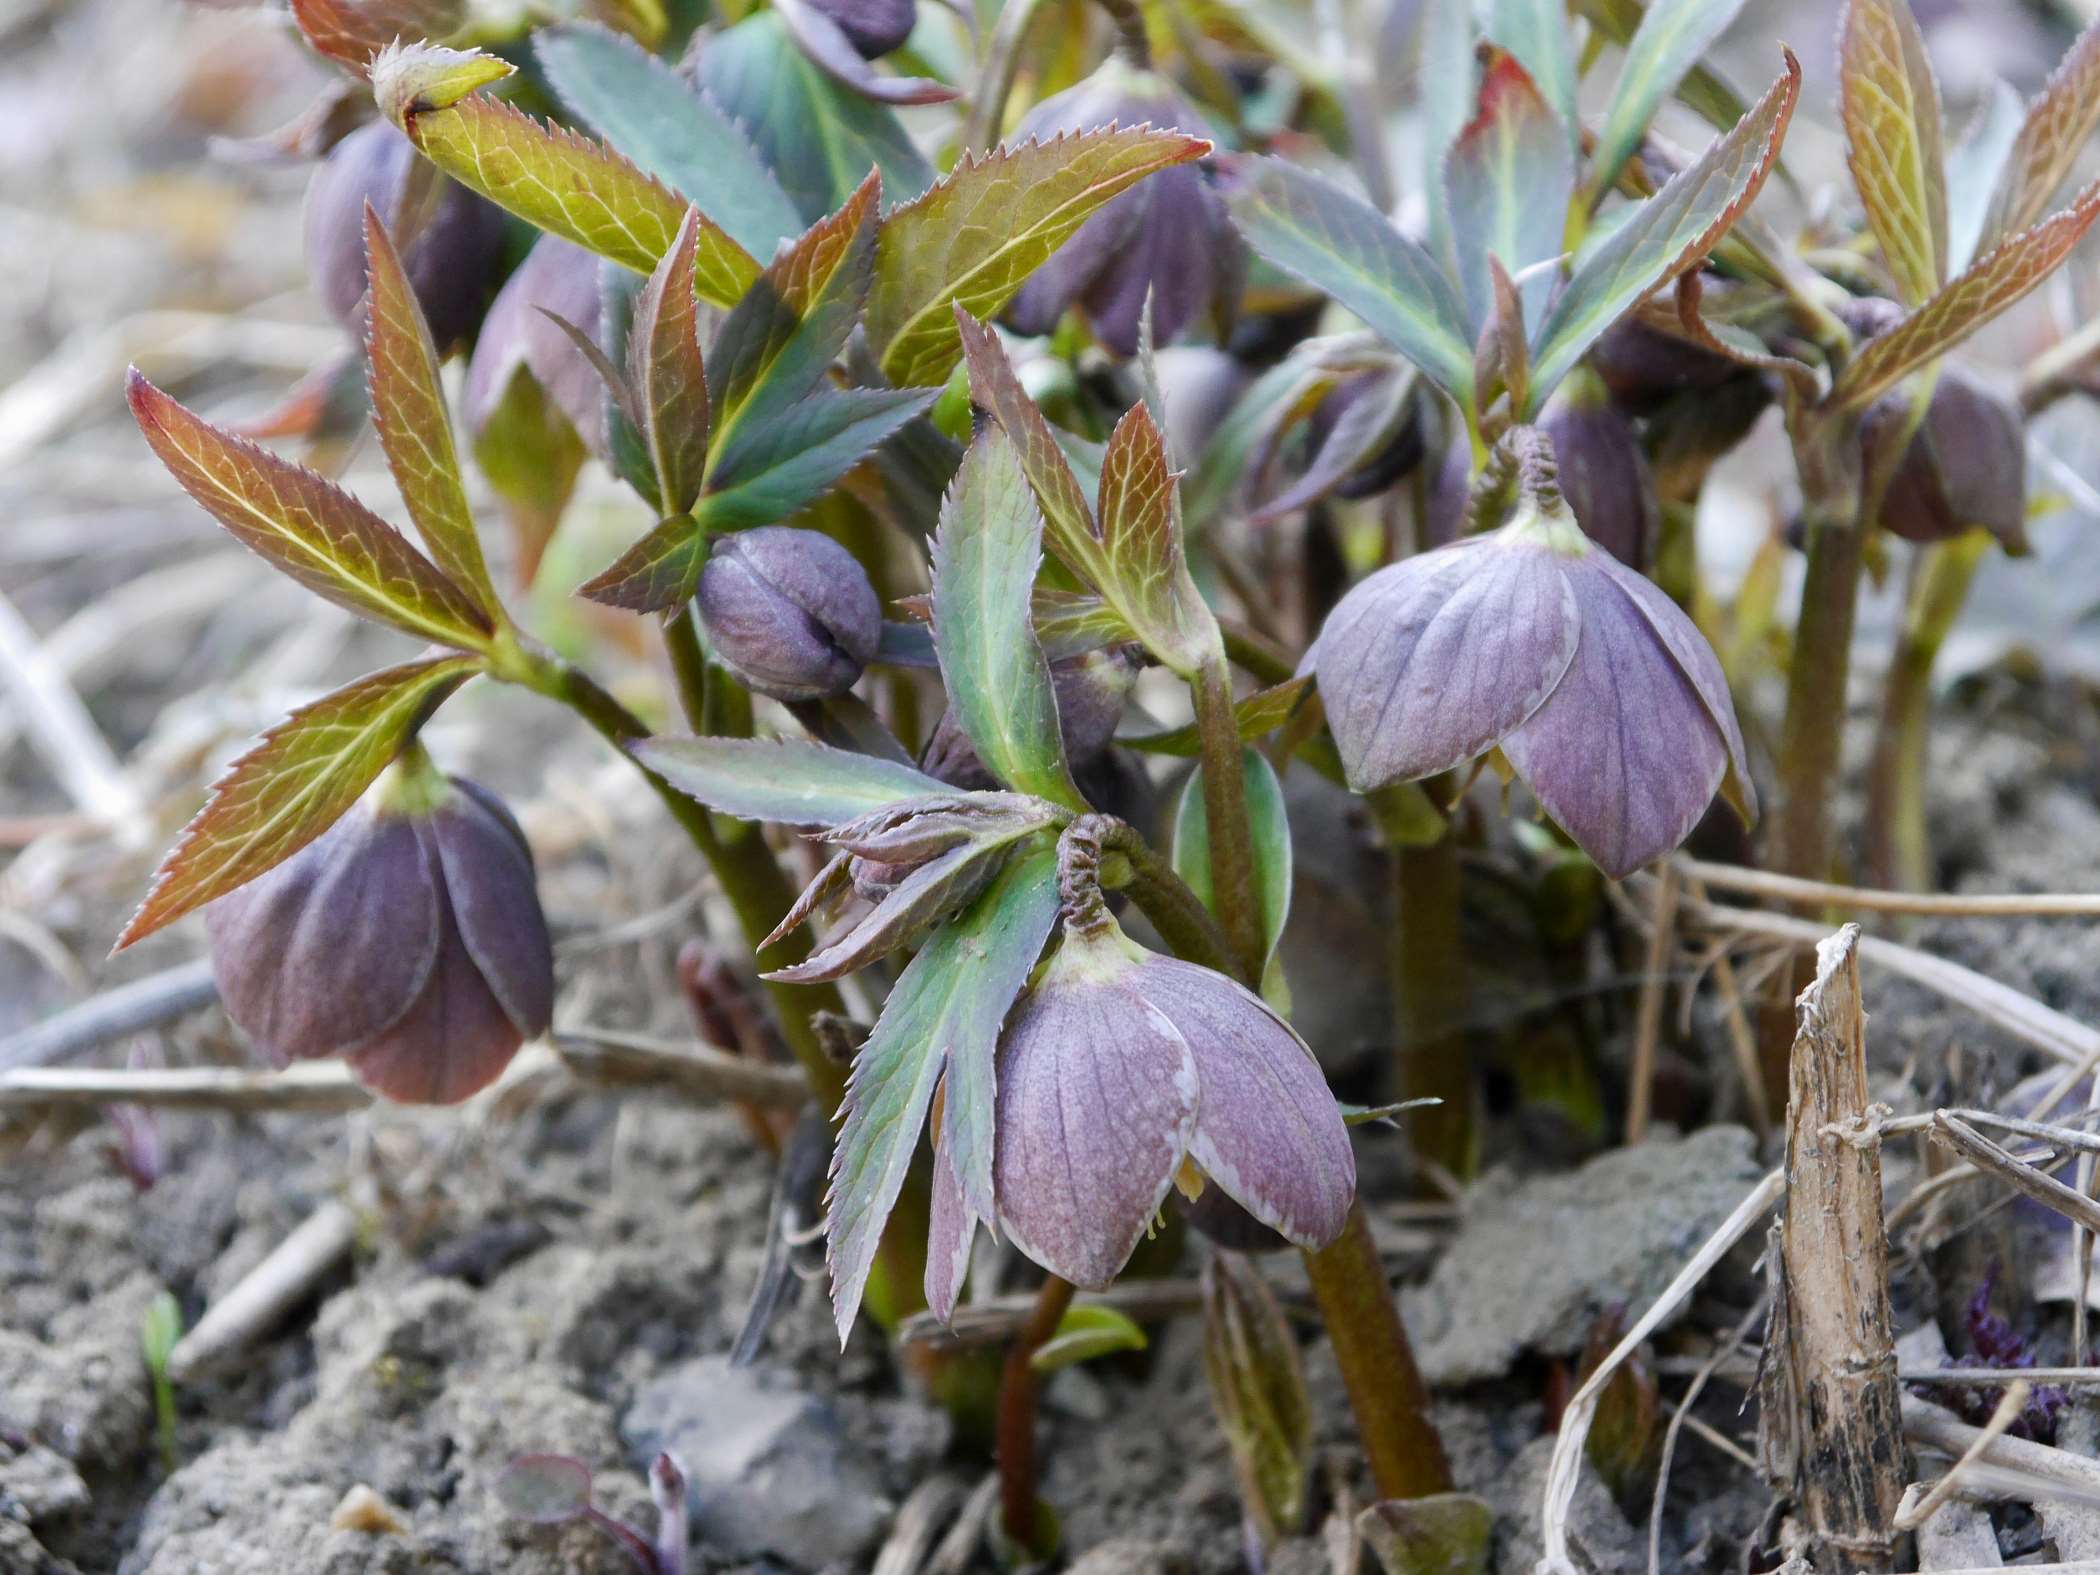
column 39, row 1484
column 769, row 1466
column 1132, row 1556
column 365, row 1511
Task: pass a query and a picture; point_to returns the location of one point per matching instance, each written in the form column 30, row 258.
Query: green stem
column 1232, row 881
column 1429, row 1000
column 1161, row 895
column 1019, row 1384
column 1385, row 1387
column 1899, row 849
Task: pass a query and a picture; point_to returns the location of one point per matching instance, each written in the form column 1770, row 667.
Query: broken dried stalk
column 1824, row 894
column 1830, row 1426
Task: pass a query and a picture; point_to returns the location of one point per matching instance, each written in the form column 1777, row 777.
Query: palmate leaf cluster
column 791, row 285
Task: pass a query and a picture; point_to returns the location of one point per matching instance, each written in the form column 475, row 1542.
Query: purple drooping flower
column 1603, row 473
column 1965, row 466
column 1167, row 237
column 407, row 939
column 1123, row 1074
column 1598, row 690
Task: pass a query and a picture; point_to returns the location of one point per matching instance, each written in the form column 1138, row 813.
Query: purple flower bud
column 875, row 26
column 1603, row 473
column 1595, row 686
column 1644, row 367
column 1168, row 236
column 1124, row 1073
column 558, row 277
column 407, row 939
column 790, row 611
column 1091, row 689
column 1966, row 465
column 450, row 259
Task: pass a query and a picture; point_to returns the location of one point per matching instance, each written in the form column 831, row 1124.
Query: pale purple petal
column 1097, row 1097
column 1625, row 755
column 452, row 1043
column 1434, row 660
column 496, row 905
column 1695, row 659
column 950, row 1233
column 1180, row 238
column 333, row 945
column 1074, row 267
column 1268, row 1131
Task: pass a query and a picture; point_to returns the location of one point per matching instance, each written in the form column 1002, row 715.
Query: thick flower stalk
column 407, row 939
column 1595, row 687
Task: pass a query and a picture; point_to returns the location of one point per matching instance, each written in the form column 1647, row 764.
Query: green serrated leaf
column 668, row 375
column 566, row 184
column 768, row 473
column 1537, row 33
column 669, row 128
column 1970, row 299
column 293, row 785
column 306, row 525
column 1442, row 1534
column 819, row 139
column 1255, row 715
column 1508, row 177
column 1271, row 831
column 985, row 556
column 974, row 239
column 1668, row 235
column 1284, row 392
column 2058, row 124
column 946, row 1006
column 1890, row 105
column 1341, row 244
column 1257, row 1389
column 1702, row 91
column 659, row 572
column 1672, row 35
column 934, row 892
column 408, row 412
column 790, row 781
column 783, row 336
column 1085, row 1334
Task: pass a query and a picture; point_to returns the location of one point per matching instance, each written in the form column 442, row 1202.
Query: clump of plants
column 1032, row 493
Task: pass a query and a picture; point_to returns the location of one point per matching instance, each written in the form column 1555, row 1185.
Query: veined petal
column 1439, row 657
column 1268, row 1131
column 1097, row 1099
column 951, row 1232
column 1626, row 754
column 495, row 904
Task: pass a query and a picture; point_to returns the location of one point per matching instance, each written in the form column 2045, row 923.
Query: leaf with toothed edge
column 1890, row 104
column 1665, row 46
column 974, row 239
column 1967, row 301
column 928, row 897
column 1668, row 235
column 1536, row 32
column 351, row 32
column 306, row 525
column 668, row 376
column 1509, row 177
column 657, row 573
column 650, row 114
column 566, row 184
column 791, row 781
column 768, row 473
column 293, row 785
column 985, row 554
column 943, row 1014
column 408, row 411
column 2057, row 126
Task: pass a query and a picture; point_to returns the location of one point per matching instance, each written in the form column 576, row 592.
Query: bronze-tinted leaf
column 666, row 371
column 974, row 238
column 306, row 525
column 408, row 411
column 351, row 32
column 2058, row 123
column 1891, row 107
column 294, row 785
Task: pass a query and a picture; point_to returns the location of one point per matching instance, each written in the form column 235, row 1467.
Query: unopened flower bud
column 875, row 26
column 1645, row 368
column 790, row 612
column 407, row 939
column 450, row 258
column 1966, row 465
column 1603, row 473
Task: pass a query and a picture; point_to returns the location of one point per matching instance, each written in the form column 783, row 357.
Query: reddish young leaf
column 1891, row 108
column 1970, row 299
column 293, row 785
column 658, row 572
column 992, row 221
column 783, row 336
column 353, row 31
column 668, row 375
column 2058, row 123
column 566, row 184
column 1145, row 570
column 408, row 410
column 306, row 525
column 1509, row 177
column 994, row 388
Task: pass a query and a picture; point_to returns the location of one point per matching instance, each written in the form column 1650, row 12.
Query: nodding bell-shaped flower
column 407, row 939
column 1966, row 465
column 875, row 27
column 1598, row 690
column 790, row 612
column 1169, row 236
column 1123, row 1074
